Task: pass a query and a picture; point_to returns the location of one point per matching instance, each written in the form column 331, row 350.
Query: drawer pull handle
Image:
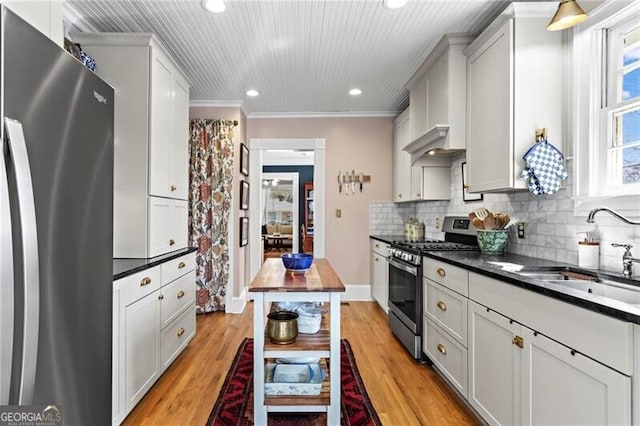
column 180, row 332
column 376, row 259
column 441, row 272
column 442, row 349
column 173, row 188
column 181, row 265
column 180, row 294
column 377, row 245
column 172, row 242
column 160, row 296
column 442, row 305
column 145, row 281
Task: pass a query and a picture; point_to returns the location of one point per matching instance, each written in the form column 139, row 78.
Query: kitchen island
column 320, row 283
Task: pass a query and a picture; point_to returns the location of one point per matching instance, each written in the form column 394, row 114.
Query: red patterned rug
column 234, row 406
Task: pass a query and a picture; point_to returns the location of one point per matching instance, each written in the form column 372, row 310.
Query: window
column 606, row 109
column 621, row 112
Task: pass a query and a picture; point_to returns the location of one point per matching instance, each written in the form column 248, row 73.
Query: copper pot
column 282, row 327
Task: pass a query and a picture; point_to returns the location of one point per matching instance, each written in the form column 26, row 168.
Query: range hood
column 435, row 142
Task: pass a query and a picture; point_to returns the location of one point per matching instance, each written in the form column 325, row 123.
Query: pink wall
column 360, row 144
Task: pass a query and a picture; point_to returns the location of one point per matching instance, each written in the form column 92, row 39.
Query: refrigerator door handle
column 6, row 284
column 30, row 264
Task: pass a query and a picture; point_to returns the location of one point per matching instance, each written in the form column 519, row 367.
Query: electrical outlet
column 521, row 229
column 338, row 213
column 437, row 223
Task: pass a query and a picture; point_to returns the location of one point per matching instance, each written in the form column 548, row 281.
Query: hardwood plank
column 274, row 277
column 402, row 391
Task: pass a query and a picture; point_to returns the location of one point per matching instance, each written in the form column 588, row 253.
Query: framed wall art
column 244, row 195
column 466, row 196
column 244, row 159
column 244, row 231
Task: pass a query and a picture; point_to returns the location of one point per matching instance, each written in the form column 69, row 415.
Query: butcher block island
column 319, row 284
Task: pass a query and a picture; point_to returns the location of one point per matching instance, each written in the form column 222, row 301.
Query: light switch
column 338, row 213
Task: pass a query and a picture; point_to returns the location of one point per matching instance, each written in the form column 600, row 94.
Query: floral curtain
column 210, row 179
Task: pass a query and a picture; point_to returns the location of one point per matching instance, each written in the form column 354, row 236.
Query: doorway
column 279, row 206
column 259, row 148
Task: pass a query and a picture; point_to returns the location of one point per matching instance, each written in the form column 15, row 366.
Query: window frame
column 592, row 119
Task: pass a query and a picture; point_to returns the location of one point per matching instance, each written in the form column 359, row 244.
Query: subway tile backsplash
column 551, row 227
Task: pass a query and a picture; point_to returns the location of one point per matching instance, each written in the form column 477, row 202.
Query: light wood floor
column 402, row 391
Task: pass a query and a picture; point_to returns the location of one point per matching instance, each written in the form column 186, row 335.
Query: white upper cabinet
column 44, row 15
column 437, row 98
column 151, row 141
column 401, row 159
column 515, row 86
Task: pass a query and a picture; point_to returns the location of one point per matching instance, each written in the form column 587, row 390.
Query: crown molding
column 351, row 114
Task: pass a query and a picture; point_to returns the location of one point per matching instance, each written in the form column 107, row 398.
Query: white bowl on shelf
column 309, row 320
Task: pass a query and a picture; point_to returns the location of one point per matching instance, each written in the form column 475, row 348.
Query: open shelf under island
column 319, row 284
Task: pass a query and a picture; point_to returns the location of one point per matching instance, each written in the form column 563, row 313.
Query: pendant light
column 567, row 15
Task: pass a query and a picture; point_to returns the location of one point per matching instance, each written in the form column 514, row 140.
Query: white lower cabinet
column 447, row 354
column 518, row 376
column 562, row 386
column 379, row 271
column 153, row 321
column 142, row 344
column 494, row 366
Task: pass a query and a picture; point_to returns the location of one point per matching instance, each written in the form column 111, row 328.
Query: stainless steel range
column 405, row 278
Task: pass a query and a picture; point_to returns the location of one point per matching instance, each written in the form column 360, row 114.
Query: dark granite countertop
column 125, row 267
column 492, row 266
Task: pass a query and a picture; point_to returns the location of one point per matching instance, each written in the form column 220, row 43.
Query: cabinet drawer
column 452, row 277
column 176, row 296
column 448, row 355
column 176, row 336
column 379, row 247
column 139, row 285
column 446, row 308
column 175, row 268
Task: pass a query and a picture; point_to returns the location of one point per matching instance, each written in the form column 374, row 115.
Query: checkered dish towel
column 545, row 168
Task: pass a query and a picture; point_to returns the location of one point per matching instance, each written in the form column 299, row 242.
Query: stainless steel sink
column 587, row 281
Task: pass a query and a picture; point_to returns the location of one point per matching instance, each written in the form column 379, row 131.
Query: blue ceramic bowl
column 297, row 261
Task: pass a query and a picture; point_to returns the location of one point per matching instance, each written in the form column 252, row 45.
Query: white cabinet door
column 179, row 140
column 179, row 224
column 489, row 150
column 159, row 226
column 160, row 135
column 401, row 159
column 380, row 280
column 167, row 225
column 142, row 347
column 561, row 386
column 494, row 366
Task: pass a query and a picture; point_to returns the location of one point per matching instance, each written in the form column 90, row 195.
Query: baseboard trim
column 357, row 293
column 238, row 303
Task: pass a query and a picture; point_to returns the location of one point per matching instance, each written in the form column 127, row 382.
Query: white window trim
column 587, row 97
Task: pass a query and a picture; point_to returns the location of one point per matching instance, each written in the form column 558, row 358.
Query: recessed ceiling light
column 215, row 6
column 252, row 93
column 355, row 91
column 394, row 4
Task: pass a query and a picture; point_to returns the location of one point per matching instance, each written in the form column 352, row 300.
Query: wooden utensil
column 490, row 221
column 481, row 212
column 477, row 223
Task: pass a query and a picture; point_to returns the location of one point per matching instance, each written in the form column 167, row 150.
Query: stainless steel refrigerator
column 56, row 237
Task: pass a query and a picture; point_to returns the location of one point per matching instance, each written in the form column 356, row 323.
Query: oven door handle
column 410, row 269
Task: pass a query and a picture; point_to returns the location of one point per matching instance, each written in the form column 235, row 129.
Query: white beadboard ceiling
column 302, row 55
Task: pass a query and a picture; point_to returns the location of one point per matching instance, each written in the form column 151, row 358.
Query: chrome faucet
column 593, row 212
column 627, row 259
